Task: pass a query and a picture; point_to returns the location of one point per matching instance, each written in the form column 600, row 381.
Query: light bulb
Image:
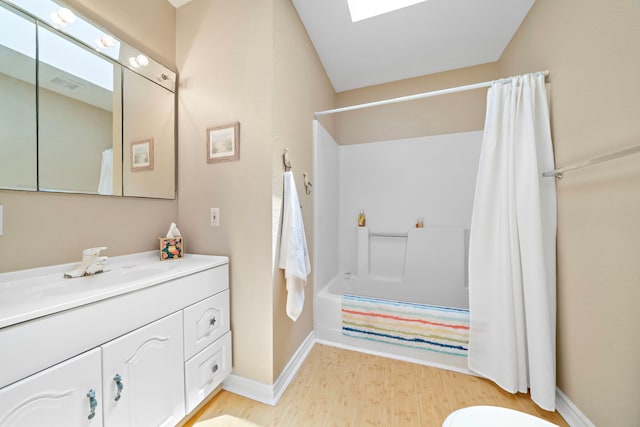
column 142, row 60
column 56, row 20
column 105, row 42
column 133, row 62
column 66, row 15
column 62, row 17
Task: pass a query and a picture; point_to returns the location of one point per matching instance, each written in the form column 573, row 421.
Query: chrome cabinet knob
column 119, row 385
column 93, row 403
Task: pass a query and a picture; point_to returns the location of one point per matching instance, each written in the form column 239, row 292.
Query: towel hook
column 307, row 184
column 285, row 160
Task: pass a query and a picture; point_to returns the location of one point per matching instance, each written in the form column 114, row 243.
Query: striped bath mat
column 427, row 327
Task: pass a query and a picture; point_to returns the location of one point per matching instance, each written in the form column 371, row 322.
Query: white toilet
column 493, row 416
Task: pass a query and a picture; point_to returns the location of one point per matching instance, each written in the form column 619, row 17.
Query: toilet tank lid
column 493, row 416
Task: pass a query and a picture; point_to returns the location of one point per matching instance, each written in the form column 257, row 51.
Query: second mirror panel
column 148, row 135
column 79, row 145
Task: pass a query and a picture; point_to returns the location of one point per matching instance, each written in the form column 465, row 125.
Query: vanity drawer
column 206, row 370
column 204, row 322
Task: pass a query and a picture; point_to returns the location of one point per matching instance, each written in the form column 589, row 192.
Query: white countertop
column 33, row 293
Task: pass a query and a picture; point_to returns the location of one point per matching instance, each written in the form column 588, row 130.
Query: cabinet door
column 58, row 396
column 147, row 366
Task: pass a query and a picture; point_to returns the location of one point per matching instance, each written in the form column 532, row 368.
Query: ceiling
column 426, row 38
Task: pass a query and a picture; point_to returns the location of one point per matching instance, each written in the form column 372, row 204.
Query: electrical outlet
column 215, row 217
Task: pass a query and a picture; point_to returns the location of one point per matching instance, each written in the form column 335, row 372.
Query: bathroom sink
column 34, row 289
column 57, row 286
column 28, row 294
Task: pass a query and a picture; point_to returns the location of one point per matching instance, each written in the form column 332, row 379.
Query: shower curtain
column 512, row 280
column 105, row 183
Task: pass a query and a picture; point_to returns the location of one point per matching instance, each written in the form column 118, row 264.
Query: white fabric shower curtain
column 105, row 183
column 512, row 260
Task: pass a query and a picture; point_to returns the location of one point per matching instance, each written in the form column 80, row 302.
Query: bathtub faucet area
column 92, row 263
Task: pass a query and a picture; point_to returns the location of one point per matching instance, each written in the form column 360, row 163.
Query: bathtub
column 328, row 316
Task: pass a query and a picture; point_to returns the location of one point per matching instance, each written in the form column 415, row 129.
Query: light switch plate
column 215, row 217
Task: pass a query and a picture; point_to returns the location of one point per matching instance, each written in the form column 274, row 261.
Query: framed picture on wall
column 223, row 143
column 142, row 155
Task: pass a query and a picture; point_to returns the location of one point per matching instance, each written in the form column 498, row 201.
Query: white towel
column 294, row 255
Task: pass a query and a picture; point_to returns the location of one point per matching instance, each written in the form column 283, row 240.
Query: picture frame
column 223, row 143
column 142, row 155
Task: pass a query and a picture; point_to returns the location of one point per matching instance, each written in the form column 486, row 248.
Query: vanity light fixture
column 62, row 17
column 138, row 61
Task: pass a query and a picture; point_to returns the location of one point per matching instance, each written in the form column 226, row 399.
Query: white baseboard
column 570, row 412
column 270, row 394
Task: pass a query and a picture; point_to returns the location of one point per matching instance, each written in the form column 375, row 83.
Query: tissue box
column 171, row 248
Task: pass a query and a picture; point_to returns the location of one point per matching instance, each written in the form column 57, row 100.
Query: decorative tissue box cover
column 171, row 248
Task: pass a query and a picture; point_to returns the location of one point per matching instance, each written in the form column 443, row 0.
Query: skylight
column 364, row 9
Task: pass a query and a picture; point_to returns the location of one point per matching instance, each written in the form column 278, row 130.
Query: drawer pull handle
column 214, row 368
column 119, row 385
column 212, row 321
column 93, row 403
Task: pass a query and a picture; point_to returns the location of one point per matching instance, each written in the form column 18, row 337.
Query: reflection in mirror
column 56, row 14
column 18, row 145
column 79, row 134
column 62, row 131
column 149, row 114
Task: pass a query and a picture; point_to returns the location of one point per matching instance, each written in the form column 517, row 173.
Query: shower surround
column 395, row 183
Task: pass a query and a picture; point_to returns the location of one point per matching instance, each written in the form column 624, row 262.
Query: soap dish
column 171, row 248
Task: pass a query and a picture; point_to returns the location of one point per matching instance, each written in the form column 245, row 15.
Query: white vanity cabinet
column 67, row 395
column 144, row 357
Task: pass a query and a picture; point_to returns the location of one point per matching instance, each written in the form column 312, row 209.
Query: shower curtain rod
column 412, row 97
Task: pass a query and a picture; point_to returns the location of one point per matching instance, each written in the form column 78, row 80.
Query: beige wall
column 225, row 59
column 301, row 87
column 248, row 61
column 460, row 112
column 592, row 50
column 43, row 229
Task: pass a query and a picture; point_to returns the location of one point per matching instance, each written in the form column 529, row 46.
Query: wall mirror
column 18, row 140
column 82, row 112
